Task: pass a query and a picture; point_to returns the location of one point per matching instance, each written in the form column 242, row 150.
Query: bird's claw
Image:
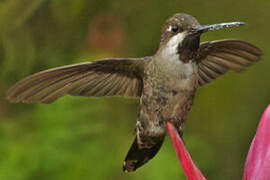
column 172, row 118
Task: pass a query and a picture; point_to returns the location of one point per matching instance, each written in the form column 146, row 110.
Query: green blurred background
column 86, row 138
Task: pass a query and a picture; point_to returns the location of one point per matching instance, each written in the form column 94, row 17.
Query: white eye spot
column 169, row 29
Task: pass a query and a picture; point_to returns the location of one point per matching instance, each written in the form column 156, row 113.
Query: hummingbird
column 165, row 83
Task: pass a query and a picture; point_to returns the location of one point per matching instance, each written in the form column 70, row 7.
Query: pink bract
column 191, row 171
column 257, row 166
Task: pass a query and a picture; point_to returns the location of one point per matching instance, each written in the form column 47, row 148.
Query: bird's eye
column 174, row 28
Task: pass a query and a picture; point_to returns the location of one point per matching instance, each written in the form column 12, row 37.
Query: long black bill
column 202, row 29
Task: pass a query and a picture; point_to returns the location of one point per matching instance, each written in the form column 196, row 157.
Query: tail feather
column 139, row 154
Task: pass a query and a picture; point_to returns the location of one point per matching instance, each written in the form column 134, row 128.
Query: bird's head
column 181, row 34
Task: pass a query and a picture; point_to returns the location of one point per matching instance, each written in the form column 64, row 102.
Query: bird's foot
column 180, row 132
column 172, row 119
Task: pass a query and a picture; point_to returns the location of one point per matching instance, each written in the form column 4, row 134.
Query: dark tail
column 140, row 154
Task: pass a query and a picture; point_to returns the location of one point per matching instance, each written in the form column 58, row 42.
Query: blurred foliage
column 80, row 138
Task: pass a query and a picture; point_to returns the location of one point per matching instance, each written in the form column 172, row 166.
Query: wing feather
column 217, row 57
column 110, row 77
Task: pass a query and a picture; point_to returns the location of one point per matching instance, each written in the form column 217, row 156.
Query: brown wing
column 109, row 77
column 217, row 57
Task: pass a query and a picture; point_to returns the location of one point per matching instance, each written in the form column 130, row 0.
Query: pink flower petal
column 257, row 165
column 191, row 171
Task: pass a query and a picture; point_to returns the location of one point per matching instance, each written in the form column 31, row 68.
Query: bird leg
column 175, row 120
column 172, row 118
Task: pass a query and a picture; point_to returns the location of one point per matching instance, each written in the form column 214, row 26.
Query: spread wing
column 217, row 57
column 109, row 77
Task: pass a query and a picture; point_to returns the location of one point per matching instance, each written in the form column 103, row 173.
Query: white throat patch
column 170, row 49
